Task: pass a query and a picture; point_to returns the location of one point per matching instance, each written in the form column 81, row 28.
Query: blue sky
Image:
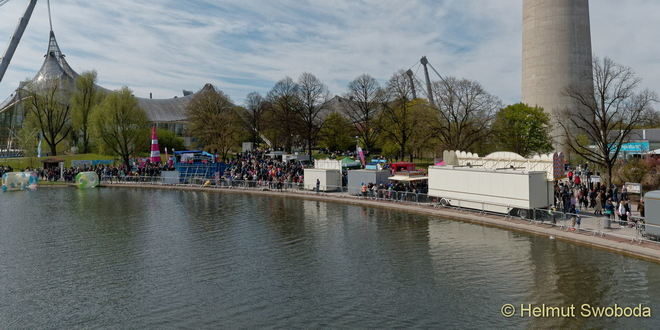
column 164, row 46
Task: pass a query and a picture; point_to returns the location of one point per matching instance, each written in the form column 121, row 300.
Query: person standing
column 318, row 186
column 623, row 218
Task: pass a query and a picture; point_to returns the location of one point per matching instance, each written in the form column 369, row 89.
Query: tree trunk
column 53, row 149
column 85, row 146
column 609, row 175
column 127, row 163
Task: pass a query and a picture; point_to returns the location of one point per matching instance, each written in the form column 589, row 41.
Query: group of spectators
column 5, row 169
column 257, row 166
column 577, row 194
column 387, row 190
column 104, row 171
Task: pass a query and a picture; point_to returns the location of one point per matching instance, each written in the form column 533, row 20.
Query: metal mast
column 412, row 83
column 429, row 90
column 16, row 38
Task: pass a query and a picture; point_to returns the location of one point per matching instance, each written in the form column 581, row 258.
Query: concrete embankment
column 644, row 250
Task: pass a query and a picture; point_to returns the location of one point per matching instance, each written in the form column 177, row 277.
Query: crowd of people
column 387, row 190
column 5, row 169
column 257, row 166
column 578, row 194
column 104, row 171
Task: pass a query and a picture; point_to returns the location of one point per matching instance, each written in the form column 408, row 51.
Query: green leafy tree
column 337, row 134
column 523, row 129
column 166, row 139
column 120, row 124
column 84, row 101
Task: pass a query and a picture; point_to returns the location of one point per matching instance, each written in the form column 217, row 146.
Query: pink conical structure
column 155, row 150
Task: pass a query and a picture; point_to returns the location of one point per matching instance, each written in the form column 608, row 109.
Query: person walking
column 598, row 205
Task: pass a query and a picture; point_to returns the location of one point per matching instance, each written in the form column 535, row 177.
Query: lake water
column 122, row 257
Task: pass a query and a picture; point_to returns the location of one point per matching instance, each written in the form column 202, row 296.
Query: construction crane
column 16, row 37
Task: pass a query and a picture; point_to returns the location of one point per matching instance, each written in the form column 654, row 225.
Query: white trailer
column 652, row 205
column 501, row 191
column 329, row 180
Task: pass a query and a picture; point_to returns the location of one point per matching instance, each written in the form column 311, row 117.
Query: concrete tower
column 556, row 55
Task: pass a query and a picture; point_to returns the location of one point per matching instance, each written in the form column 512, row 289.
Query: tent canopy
column 349, row 162
column 405, row 178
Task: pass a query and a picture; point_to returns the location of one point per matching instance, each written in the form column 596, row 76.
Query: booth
column 402, row 166
column 358, row 177
column 330, row 179
column 197, row 164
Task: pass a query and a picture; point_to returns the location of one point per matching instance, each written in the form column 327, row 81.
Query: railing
column 634, row 229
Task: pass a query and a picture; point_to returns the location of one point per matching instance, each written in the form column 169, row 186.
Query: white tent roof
column 406, row 178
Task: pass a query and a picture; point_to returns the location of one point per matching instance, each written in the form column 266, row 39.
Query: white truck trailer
column 507, row 191
column 652, row 205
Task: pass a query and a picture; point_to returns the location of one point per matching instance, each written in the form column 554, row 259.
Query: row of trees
column 384, row 119
column 463, row 116
column 90, row 119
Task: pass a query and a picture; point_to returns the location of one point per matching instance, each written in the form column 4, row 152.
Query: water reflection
column 151, row 258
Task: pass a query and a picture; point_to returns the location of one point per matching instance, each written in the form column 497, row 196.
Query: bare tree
column 214, row 121
column 313, row 95
column 397, row 119
column 466, row 112
column 256, row 106
column 285, row 104
column 365, row 97
column 50, row 113
column 602, row 119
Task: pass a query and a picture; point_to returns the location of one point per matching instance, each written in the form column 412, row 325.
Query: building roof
column 56, row 68
column 649, row 134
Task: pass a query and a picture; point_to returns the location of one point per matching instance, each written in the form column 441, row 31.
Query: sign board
column 248, row 146
column 635, row 147
column 595, row 179
column 633, row 188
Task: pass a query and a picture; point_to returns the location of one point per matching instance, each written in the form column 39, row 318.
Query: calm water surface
column 135, row 258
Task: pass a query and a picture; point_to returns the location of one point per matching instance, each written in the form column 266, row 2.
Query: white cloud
column 244, row 45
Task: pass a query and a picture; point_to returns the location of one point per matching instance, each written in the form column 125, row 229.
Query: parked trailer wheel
column 444, row 202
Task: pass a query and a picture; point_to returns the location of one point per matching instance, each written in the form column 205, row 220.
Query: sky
column 165, row 46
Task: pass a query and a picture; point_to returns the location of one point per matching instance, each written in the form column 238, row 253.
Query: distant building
column 165, row 113
column 641, row 142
